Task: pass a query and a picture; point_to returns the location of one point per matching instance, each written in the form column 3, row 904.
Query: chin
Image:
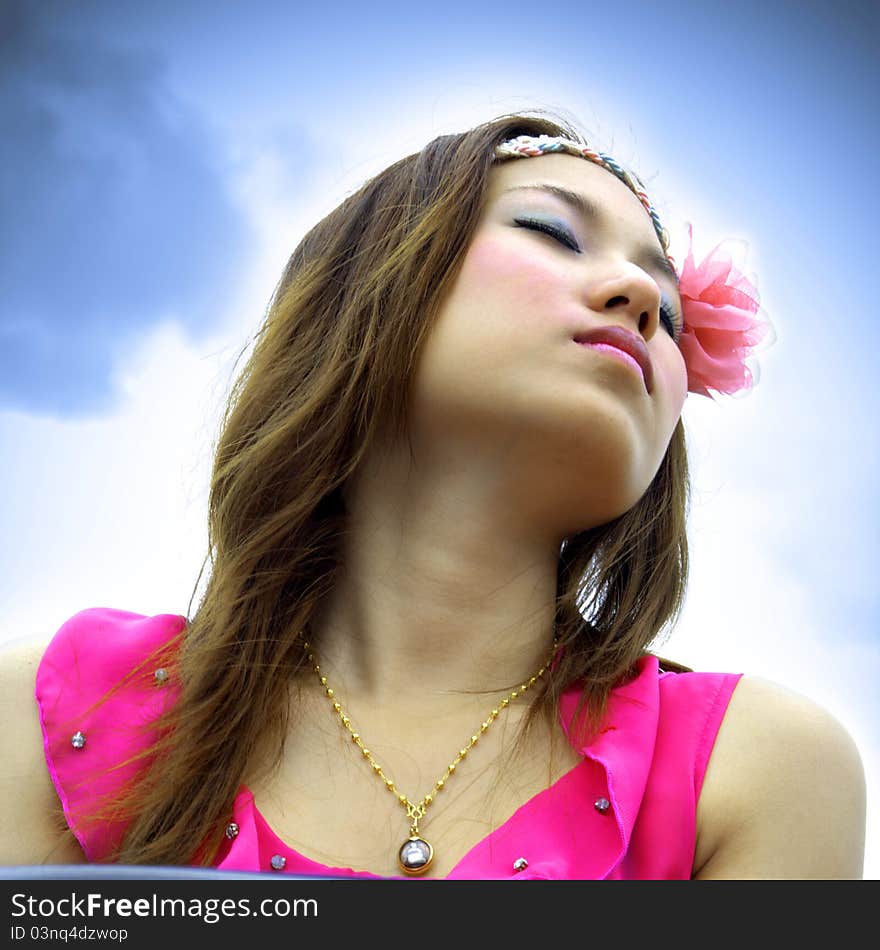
column 615, row 472
column 621, row 507
column 631, row 443
column 600, row 502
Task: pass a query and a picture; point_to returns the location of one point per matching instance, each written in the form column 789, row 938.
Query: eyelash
column 561, row 235
column 667, row 314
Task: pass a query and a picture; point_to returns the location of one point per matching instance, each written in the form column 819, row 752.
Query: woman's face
column 502, row 374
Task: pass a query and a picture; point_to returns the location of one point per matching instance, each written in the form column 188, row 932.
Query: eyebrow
column 589, row 210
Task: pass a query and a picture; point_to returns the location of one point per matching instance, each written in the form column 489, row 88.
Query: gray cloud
column 114, row 214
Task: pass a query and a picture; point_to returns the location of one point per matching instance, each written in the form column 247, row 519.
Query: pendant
column 415, row 855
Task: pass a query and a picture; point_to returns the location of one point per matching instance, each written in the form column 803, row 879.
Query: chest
column 327, row 802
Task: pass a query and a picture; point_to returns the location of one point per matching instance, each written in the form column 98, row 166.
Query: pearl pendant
column 415, row 855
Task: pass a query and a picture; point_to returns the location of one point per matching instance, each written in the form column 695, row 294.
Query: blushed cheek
column 506, row 269
column 678, row 381
column 675, row 382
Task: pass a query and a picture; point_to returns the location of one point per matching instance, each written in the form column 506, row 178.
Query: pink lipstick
column 622, row 345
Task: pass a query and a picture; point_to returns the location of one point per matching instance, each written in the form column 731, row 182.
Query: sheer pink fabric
column 720, row 330
column 647, row 763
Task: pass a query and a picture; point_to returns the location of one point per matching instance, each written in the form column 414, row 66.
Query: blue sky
column 159, row 161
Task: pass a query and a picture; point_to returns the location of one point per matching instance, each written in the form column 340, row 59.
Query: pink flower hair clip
column 719, row 303
column 721, row 330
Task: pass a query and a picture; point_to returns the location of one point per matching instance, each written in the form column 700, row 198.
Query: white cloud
column 111, row 512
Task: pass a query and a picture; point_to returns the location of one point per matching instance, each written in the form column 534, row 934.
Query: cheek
column 498, row 270
column 499, row 308
column 673, row 370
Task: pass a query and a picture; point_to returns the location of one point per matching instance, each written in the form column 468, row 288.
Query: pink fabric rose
column 720, row 331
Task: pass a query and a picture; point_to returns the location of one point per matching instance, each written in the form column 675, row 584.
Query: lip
column 629, row 343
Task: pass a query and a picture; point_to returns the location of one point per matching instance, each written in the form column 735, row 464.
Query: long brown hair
column 331, row 367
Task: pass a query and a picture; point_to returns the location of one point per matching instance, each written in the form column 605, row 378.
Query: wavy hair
column 331, row 368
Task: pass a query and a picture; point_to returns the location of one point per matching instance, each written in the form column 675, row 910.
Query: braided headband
column 717, row 301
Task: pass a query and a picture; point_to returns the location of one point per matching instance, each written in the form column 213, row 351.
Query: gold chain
column 416, row 811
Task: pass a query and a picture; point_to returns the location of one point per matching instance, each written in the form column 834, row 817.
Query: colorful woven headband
column 719, row 332
column 527, row 146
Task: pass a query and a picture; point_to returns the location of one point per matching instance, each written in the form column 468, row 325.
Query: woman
column 447, row 509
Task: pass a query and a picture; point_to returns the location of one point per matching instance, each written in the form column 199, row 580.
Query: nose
column 631, row 291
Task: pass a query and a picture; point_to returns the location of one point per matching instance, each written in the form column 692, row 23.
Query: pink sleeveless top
column 625, row 811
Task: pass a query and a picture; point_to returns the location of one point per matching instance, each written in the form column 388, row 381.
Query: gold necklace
column 415, row 854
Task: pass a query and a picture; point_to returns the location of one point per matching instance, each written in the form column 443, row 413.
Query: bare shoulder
column 784, row 792
column 31, row 831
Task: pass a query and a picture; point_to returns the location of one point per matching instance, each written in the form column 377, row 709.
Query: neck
column 432, row 607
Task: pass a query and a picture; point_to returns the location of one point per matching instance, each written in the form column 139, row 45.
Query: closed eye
column 668, row 316
column 560, row 234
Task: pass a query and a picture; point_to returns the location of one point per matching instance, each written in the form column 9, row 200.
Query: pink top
column 626, row 811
